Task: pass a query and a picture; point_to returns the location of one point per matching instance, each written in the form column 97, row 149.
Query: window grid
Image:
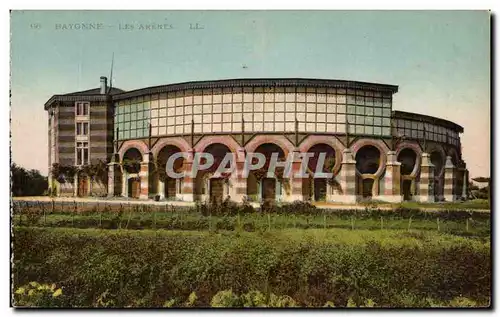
column 82, row 153
column 417, row 130
column 132, row 118
column 82, row 128
column 82, row 108
column 266, row 109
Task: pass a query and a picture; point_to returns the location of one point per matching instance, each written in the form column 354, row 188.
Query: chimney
column 104, row 85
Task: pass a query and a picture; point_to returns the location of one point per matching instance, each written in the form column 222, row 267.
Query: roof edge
column 63, row 98
column 225, row 83
column 429, row 119
column 253, row 82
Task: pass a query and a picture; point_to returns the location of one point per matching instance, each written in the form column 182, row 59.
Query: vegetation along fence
column 243, row 217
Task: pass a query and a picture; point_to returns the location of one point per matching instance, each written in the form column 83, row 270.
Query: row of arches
column 370, row 156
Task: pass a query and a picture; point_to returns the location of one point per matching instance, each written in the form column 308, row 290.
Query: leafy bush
column 281, row 301
column 225, row 298
column 224, row 208
column 191, row 300
column 461, row 301
column 258, row 299
column 254, row 299
column 298, row 207
column 35, row 294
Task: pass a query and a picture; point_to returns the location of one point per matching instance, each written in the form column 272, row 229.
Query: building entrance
column 367, row 187
column 268, row 189
column 319, row 189
column 169, row 187
column 82, row 186
column 407, row 189
column 134, row 187
column 216, row 189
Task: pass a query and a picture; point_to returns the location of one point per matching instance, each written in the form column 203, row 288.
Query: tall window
column 82, row 108
column 82, row 128
column 82, row 153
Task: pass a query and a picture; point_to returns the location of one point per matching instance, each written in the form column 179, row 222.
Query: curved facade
column 256, row 106
column 373, row 151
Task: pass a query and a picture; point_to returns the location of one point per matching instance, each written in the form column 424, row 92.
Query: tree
column 27, row 182
column 487, row 188
column 96, row 172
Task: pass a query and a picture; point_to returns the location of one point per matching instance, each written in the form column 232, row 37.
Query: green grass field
column 482, row 204
column 183, row 220
column 277, row 268
column 233, row 256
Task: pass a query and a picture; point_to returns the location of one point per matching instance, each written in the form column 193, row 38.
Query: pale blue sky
column 439, row 59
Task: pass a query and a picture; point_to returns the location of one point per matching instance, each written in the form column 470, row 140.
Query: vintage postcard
column 188, row 159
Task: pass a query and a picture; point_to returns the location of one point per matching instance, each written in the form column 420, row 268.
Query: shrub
column 224, row 208
column 35, row 294
column 281, row 301
column 254, row 299
column 191, row 301
column 462, row 302
column 225, row 299
column 299, row 207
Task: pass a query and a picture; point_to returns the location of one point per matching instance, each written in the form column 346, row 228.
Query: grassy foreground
column 473, row 204
column 229, row 216
column 289, row 267
column 472, row 227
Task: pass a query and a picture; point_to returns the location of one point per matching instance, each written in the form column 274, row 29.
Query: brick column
column 75, row 185
column 238, row 185
column 144, row 177
column 111, row 179
column 113, row 176
column 295, row 183
column 392, row 179
column 449, row 180
column 160, row 188
column 124, row 183
column 187, row 192
column 465, row 187
column 347, row 177
column 459, row 180
column 426, row 190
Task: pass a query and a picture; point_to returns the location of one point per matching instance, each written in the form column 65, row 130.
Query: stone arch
column 279, row 140
column 208, row 185
column 416, row 148
column 453, row 153
column 438, row 177
column 137, row 144
column 134, row 153
column 435, row 147
column 333, row 142
column 380, row 145
column 178, row 142
column 226, row 140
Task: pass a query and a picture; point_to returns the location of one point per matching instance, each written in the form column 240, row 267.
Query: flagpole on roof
column 111, row 72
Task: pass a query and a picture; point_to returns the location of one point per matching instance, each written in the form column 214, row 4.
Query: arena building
column 373, row 151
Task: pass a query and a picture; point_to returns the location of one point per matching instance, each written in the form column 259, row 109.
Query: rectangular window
column 82, row 128
column 86, row 155
column 82, row 153
column 82, row 108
